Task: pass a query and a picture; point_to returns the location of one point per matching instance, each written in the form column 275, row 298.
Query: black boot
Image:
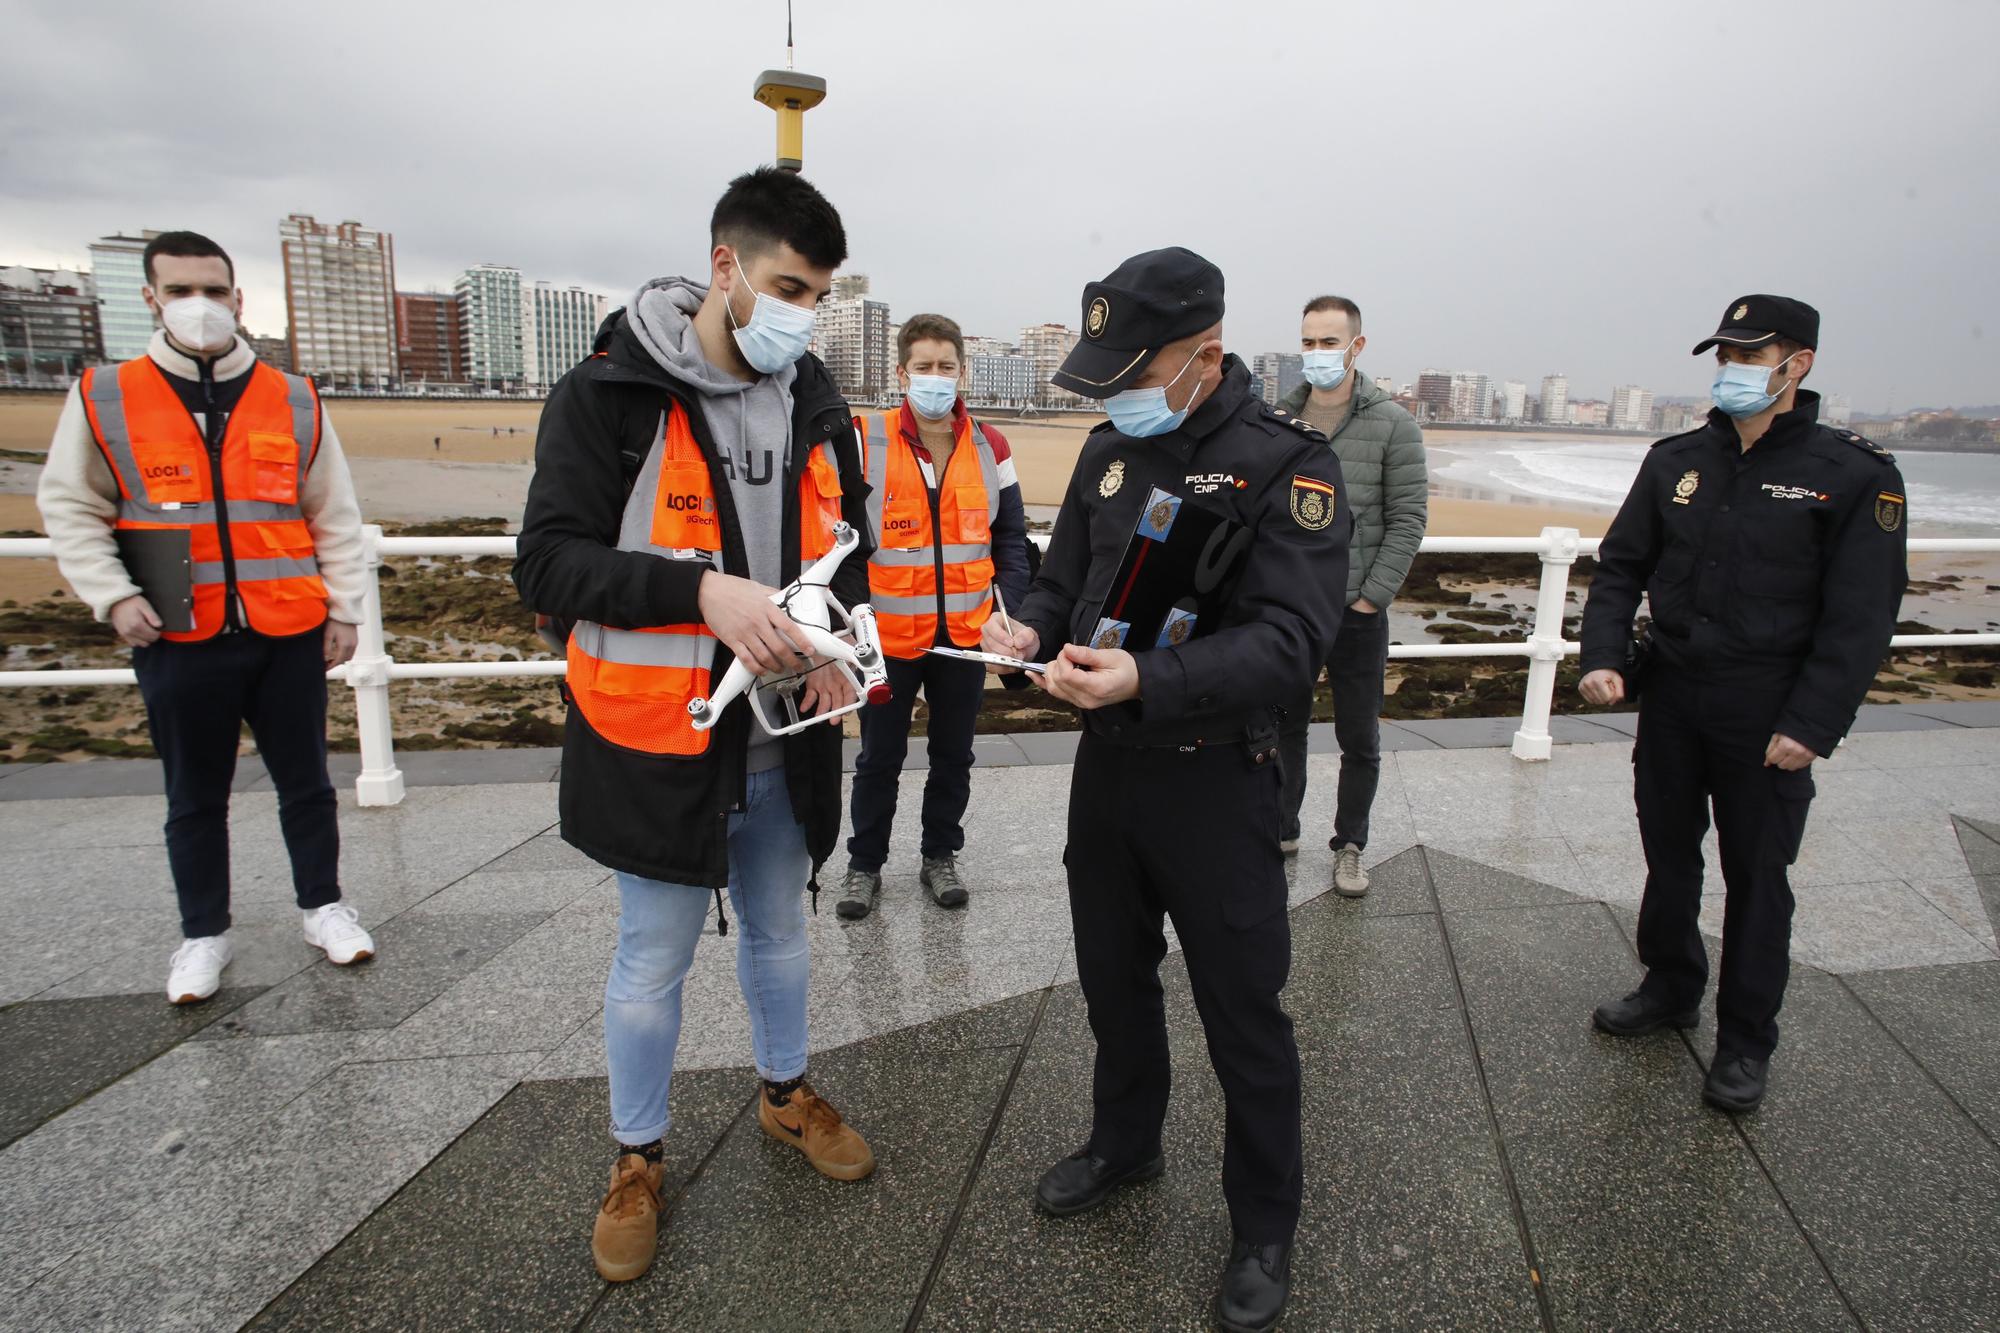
column 1735, row 1082
column 1082, row 1181
column 1254, row 1286
column 1640, row 1013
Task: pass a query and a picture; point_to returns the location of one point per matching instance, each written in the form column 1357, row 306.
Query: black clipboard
column 161, row 562
column 1171, row 580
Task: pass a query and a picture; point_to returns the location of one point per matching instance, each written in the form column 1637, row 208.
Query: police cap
column 1752, row 321
column 1145, row 303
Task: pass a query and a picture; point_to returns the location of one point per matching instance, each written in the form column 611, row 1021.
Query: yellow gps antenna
column 790, row 94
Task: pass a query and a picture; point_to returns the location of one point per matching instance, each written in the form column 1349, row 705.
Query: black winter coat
column 667, row 817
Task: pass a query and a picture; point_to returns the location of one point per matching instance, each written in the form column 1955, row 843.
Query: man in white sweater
column 198, row 458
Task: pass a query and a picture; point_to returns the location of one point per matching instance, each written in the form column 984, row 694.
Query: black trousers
column 953, row 689
column 1701, row 746
column 198, row 696
column 1190, row 835
column 1354, row 667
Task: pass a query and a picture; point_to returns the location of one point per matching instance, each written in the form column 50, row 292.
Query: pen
column 1000, row 605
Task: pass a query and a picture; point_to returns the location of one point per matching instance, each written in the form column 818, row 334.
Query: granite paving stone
column 1860, row 927
column 420, row 957
column 1532, row 975
column 1673, row 1227
column 1979, row 843
column 1961, row 712
column 546, row 851
column 1946, row 1017
column 860, row 1248
column 1894, row 1184
column 220, row 1246
column 1146, row 1259
column 368, row 1103
column 1464, row 883
column 1883, row 718
column 495, row 1232
column 529, row 996
column 57, row 1052
column 540, row 892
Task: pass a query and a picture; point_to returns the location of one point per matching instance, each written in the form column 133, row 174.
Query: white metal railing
column 371, row 671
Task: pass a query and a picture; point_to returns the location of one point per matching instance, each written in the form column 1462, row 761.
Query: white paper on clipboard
column 990, row 659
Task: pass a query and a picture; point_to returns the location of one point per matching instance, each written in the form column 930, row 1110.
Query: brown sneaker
column 628, row 1222
column 811, row 1125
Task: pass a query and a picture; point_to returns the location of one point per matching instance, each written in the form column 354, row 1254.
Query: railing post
column 1545, row 642
column 381, row 782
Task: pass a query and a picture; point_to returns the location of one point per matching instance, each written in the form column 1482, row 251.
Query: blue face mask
column 1324, row 370
column 777, row 333
column 1140, row 413
column 1741, row 390
column 932, row 395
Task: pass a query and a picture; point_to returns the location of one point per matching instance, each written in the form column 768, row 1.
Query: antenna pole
column 788, row 36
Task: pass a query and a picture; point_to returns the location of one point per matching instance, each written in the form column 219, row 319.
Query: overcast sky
column 1511, row 188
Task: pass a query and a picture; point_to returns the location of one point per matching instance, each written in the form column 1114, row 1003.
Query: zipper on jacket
column 212, row 440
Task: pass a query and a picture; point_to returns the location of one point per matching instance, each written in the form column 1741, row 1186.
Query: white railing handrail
column 369, row 674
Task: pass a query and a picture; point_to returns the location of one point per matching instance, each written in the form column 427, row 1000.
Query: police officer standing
column 1174, row 802
column 1771, row 551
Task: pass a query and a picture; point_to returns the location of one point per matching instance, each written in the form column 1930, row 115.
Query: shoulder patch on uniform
column 1889, row 511
column 1312, row 502
column 1866, row 445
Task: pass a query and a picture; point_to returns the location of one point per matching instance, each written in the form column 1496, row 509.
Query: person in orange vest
column 200, row 453
column 945, row 510
column 694, row 464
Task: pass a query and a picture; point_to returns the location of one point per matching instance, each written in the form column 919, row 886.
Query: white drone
column 855, row 650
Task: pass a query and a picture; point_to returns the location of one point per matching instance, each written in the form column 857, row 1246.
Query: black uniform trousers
column 1701, row 745
column 1355, row 669
column 198, row 696
column 953, row 690
column 1191, row 835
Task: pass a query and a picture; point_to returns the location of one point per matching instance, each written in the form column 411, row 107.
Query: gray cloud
column 1510, row 188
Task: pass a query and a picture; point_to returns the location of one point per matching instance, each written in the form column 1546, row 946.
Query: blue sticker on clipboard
column 1161, row 511
column 1176, row 629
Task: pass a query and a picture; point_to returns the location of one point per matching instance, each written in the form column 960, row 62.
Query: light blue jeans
column 658, row 925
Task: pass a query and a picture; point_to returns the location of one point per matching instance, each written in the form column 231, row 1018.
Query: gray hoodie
column 751, row 424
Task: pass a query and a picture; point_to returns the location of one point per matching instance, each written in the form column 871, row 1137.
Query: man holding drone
column 700, row 460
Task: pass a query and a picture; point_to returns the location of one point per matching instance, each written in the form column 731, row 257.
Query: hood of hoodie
column 661, row 318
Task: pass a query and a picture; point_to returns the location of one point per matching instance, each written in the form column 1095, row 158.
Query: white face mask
column 200, row 323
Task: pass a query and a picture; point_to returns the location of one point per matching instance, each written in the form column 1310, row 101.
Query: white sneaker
column 196, row 970
column 1349, row 879
column 336, row 928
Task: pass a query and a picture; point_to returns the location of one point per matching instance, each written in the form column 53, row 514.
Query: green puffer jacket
column 1381, row 453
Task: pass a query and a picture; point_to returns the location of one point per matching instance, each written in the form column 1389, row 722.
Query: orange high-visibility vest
column 633, row 685
column 241, row 512
column 917, row 572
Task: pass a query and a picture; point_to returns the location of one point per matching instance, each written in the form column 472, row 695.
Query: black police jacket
column 1782, row 565
column 667, row 817
column 1241, row 458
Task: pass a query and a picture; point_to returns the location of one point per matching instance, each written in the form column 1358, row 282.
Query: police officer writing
column 1770, row 549
column 1174, row 802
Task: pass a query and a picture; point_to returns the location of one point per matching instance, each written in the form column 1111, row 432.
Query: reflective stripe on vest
column 903, row 573
column 160, row 459
column 632, row 686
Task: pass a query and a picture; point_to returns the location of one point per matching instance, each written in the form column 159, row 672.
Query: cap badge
column 1114, row 477
column 1685, row 488
column 1312, row 503
column 1741, row 312
column 1100, row 313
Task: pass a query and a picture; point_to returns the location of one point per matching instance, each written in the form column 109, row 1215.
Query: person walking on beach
column 1771, row 552
column 697, row 461
column 198, row 500
column 945, row 511
column 1381, row 452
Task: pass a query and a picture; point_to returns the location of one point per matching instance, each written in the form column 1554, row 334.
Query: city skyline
column 1862, row 203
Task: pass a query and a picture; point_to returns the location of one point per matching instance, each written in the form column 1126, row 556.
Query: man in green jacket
column 1382, row 459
